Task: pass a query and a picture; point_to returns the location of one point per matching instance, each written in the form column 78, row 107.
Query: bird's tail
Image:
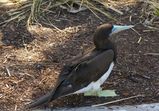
column 42, row 100
column 48, row 97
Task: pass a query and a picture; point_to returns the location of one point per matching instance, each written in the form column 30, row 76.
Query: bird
column 88, row 72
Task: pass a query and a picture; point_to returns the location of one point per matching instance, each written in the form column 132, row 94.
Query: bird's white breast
column 96, row 85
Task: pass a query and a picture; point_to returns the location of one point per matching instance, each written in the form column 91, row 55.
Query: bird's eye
column 113, row 29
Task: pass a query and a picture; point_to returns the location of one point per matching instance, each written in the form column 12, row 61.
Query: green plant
column 156, row 7
column 154, row 4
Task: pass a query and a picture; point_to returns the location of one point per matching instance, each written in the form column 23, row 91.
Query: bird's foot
column 101, row 93
column 93, row 92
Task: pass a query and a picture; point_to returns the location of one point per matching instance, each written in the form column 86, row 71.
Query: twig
column 154, row 54
column 148, row 30
column 8, row 72
column 116, row 10
column 119, row 100
column 26, row 74
column 139, row 40
column 136, row 31
column 130, row 18
column 15, row 108
column 1, row 95
column 144, row 76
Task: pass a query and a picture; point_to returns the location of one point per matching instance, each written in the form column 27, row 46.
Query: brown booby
column 90, row 71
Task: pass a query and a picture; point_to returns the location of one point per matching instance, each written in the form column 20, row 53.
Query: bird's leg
column 94, row 90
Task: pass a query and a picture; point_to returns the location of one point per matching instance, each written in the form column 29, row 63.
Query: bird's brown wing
column 86, row 72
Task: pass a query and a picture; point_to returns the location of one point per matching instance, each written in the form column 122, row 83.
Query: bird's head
column 108, row 29
column 103, row 32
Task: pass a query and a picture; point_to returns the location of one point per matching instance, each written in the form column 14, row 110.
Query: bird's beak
column 118, row 28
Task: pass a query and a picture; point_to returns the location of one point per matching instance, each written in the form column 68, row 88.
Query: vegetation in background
column 32, row 10
column 150, row 13
column 155, row 6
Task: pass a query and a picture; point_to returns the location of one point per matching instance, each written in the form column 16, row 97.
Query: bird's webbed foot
column 94, row 92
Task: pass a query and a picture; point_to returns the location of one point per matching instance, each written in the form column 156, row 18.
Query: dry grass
column 154, row 4
column 33, row 10
column 152, row 7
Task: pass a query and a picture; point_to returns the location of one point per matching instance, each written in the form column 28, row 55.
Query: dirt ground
column 30, row 60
